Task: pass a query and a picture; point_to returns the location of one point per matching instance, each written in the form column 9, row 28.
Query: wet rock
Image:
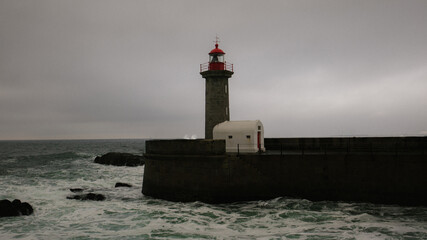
column 26, row 209
column 119, row 184
column 88, row 196
column 74, row 190
column 15, row 208
column 120, row 159
column 7, row 209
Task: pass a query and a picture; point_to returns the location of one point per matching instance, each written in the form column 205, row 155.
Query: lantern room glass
column 216, row 58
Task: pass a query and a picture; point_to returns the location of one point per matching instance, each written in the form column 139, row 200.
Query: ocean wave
column 44, row 177
column 30, row 161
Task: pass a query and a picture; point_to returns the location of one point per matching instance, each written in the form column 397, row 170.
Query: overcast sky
column 81, row 69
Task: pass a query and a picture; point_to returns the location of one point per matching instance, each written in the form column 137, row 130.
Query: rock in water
column 88, row 196
column 7, row 209
column 119, row 184
column 15, row 208
column 26, row 209
column 120, row 159
column 74, row 190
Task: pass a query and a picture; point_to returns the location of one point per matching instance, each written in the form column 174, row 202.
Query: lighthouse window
column 248, row 136
column 225, row 88
column 230, row 137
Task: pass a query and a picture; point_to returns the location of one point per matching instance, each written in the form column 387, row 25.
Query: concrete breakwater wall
column 175, row 171
column 350, row 144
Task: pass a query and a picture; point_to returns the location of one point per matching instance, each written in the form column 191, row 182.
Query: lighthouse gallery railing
column 206, row 67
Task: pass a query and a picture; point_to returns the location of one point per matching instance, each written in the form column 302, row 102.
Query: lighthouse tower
column 216, row 72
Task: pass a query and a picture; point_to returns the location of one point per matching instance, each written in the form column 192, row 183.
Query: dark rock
column 88, row 196
column 7, row 209
column 120, row 159
column 14, row 208
column 119, row 184
column 74, row 190
column 16, row 203
column 26, row 209
column 77, row 197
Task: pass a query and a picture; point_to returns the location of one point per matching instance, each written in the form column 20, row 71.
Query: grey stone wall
column 217, row 108
column 378, row 178
column 185, row 147
column 202, row 174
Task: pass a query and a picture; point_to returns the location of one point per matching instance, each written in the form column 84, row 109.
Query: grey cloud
column 107, row 69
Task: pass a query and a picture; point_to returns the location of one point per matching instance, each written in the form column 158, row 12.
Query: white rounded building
column 241, row 136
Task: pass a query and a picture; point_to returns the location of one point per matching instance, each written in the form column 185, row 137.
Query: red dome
column 216, row 50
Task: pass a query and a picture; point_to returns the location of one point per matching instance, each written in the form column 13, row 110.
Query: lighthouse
column 216, row 72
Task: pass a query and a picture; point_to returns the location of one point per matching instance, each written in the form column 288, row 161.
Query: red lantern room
column 216, row 61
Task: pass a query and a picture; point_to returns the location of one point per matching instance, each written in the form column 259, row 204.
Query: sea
column 43, row 172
